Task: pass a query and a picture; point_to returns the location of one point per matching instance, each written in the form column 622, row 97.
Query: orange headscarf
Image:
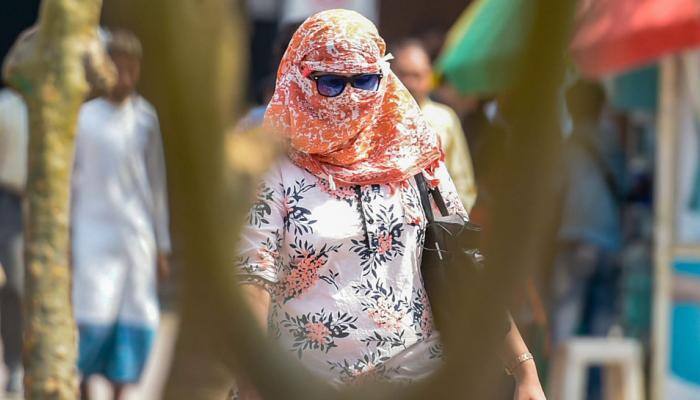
column 359, row 137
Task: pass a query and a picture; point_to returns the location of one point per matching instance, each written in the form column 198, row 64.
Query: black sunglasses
column 330, row 85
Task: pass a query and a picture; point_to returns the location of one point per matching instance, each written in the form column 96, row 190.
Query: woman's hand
column 258, row 300
column 527, row 383
column 163, row 267
column 246, row 391
column 529, row 391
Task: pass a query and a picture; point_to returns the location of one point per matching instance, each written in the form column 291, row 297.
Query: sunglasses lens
column 329, row 85
column 367, row 82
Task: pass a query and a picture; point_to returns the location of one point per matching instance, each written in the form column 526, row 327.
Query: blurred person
column 254, row 117
column 585, row 275
column 590, row 232
column 119, row 225
column 14, row 136
column 433, row 39
column 330, row 259
column 412, row 66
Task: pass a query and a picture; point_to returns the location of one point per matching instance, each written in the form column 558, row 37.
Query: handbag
column 451, row 262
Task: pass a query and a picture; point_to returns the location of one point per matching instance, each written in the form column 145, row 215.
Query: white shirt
column 343, row 270
column 119, row 214
column 14, row 138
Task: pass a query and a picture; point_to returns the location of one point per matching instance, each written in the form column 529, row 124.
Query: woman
column 331, row 256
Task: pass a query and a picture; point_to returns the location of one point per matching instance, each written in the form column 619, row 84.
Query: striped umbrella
column 482, row 44
column 611, row 36
column 617, row 35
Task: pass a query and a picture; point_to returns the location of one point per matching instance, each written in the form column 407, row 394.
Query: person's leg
column 601, row 313
column 92, row 342
column 84, row 389
column 117, row 390
column 567, row 296
column 135, row 328
column 604, row 297
column 11, row 258
column 127, row 358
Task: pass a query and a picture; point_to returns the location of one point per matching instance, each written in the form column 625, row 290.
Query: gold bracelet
column 519, row 360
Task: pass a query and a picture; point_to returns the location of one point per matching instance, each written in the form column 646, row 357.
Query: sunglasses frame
column 315, row 76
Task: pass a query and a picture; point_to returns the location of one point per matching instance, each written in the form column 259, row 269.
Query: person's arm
column 528, row 385
column 258, row 254
column 155, row 165
column 258, row 300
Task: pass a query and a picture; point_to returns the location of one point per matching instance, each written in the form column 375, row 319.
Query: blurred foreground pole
column 195, row 53
column 198, row 49
column 670, row 82
column 203, row 54
column 524, row 208
column 51, row 67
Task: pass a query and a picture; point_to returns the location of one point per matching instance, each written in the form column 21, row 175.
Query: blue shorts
column 117, row 352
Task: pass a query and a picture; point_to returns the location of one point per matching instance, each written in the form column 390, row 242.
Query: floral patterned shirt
column 343, row 269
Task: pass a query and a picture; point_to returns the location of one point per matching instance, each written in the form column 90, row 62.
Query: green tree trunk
column 48, row 67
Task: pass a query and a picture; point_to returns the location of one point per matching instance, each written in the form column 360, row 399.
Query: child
column 119, row 225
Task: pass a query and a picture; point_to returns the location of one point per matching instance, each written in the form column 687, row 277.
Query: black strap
column 424, row 197
column 439, row 201
column 425, row 193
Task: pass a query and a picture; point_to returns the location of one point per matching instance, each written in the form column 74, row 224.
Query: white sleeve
column 155, row 163
column 261, row 238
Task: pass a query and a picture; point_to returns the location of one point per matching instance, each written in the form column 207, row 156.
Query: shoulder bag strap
column 424, row 197
column 425, row 194
column 439, row 201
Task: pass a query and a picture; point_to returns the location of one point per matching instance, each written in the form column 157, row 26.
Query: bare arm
column 258, row 251
column 525, row 374
column 258, row 300
column 155, row 168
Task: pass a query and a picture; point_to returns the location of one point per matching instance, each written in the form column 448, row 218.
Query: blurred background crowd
column 601, row 279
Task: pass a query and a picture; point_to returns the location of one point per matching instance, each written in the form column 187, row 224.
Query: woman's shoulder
column 284, row 167
column 284, row 171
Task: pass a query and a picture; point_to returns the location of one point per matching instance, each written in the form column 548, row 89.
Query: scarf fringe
column 429, row 173
column 331, row 182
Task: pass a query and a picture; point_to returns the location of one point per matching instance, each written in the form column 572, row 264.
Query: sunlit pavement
column 154, row 377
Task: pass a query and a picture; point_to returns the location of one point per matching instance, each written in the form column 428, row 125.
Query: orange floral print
column 361, row 136
column 317, row 332
column 301, row 278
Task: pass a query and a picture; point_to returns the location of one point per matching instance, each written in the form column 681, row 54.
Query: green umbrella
column 484, row 44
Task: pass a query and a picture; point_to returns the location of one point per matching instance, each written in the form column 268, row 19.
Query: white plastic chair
column 621, row 359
